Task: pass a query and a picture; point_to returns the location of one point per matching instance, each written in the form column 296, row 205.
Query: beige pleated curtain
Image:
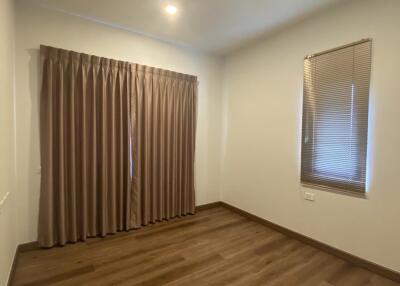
column 117, row 146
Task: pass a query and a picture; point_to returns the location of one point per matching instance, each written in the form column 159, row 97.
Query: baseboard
column 13, row 267
column 21, row 248
column 371, row 266
column 208, row 206
column 28, row 246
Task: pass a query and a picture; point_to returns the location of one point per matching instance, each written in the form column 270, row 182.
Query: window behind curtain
column 335, row 117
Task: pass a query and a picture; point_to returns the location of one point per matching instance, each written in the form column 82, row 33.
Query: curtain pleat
column 84, row 139
column 117, row 146
column 163, row 145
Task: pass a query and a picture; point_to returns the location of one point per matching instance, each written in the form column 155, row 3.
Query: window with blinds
column 335, row 117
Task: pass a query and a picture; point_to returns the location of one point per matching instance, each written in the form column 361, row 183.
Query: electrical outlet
column 309, row 196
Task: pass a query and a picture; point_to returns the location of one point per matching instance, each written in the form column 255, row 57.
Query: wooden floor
column 213, row 247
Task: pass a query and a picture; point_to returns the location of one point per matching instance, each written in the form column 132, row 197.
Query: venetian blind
column 335, row 117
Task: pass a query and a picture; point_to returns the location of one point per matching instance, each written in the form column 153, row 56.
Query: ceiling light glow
column 171, row 9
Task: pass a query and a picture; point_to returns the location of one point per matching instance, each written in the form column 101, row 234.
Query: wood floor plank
column 212, row 248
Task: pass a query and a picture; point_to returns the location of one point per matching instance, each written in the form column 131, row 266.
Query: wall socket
column 309, row 196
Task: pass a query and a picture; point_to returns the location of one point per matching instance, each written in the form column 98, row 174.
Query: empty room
column 200, row 142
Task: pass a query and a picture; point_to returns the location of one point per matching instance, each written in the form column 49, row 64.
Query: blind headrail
column 338, row 48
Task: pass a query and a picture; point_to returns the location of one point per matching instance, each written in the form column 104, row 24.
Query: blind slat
column 335, row 118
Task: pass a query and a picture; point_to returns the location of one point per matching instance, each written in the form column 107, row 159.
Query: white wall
column 261, row 164
column 37, row 25
column 8, row 239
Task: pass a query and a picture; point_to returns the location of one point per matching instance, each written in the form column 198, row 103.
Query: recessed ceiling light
column 171, row 9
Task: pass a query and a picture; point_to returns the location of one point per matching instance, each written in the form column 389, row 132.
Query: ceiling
column 213, row 26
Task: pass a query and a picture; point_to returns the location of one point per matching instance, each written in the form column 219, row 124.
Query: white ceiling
column 214, row 26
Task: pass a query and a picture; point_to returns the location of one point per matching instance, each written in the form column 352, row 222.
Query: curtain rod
column 338, row 48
